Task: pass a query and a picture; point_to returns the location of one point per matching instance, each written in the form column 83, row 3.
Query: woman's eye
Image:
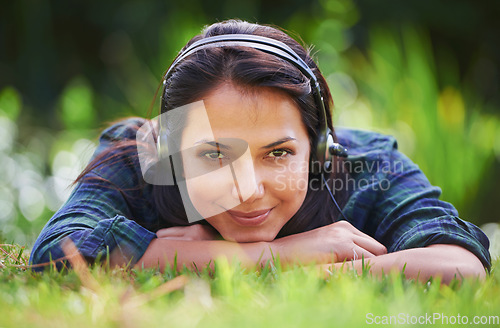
column 214, row 155
column 278, row 153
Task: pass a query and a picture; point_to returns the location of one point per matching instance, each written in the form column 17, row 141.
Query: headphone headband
column 265, row 44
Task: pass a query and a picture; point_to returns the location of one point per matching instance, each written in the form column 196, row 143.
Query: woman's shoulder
column 116, row 156
column 123, row 129
column 361, row 142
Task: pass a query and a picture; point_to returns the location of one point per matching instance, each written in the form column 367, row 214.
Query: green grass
column 227, row 296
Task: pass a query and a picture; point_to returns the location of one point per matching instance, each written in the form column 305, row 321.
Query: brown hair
column 203, row 71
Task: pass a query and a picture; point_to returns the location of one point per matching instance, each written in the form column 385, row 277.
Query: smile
column 253, row 218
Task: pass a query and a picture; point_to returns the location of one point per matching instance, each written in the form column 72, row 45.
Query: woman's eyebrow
column 212, row 143
column 277, row 143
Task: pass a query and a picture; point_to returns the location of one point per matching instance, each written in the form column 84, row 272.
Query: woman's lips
column 253, row 218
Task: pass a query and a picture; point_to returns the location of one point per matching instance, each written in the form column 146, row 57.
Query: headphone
column 325, row 147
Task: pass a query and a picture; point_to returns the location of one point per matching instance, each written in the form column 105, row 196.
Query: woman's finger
column 171, row 232
column 177, row 238
column 362, row 239
column 370, row 245
column 353, row 253
column 353, row 229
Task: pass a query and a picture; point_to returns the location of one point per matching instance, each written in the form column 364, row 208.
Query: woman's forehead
column 230, row 113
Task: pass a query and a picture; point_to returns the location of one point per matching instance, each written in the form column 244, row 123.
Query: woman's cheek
column 291, row 181
column 209, row 193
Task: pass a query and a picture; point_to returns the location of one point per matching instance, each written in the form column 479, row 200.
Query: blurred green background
column 424, row 71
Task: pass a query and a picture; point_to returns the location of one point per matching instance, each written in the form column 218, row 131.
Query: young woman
column 248, row 166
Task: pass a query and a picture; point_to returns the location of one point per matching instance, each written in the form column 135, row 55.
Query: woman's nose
column 247, row 181
column 248, row 190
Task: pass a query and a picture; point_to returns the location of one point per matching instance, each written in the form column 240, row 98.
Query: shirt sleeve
column 101, row 215
column 398, row 206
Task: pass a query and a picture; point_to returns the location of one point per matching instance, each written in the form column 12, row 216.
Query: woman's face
column 255, row 150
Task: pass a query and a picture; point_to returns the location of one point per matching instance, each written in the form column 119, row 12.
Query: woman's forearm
column 198, row 253
column 446, row 261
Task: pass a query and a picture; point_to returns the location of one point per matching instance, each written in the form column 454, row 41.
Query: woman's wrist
column 260, row 253
column 277, row 250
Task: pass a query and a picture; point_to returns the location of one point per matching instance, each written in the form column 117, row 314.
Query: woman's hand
column 192, row 232
column 332, row 243
column 439, row 260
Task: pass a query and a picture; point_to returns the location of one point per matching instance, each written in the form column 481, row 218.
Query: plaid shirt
column 390, row 199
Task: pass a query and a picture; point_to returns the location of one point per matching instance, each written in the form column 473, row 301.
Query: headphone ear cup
column 328, row 156
column 321, row 159
column 162, row 146
column 162, row 172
